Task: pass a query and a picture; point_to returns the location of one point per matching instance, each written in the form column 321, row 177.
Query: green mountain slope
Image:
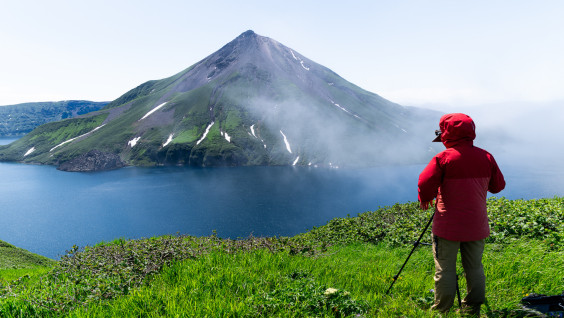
column 12, row 257
column 253, row 102
column 17, row 120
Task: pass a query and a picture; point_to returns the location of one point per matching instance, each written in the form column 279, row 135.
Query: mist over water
column 526, row 140
column 47, row 211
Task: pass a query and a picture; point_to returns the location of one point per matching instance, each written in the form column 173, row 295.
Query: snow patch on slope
column 341, row 108
column 296, row 161
column 32, row 149
column 253, row 130
column 153, row 110
column 83, row 135
column 286, row 142
column 226, row 136
column 168, row 140
column 205, row 133
column 345, row 110
column 255, row 135
column 133, row 142
column 295, row 58
column 299, row 59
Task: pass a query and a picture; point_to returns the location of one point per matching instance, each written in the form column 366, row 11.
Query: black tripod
column 412, row 250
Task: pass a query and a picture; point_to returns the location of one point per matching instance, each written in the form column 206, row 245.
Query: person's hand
column 425, row 205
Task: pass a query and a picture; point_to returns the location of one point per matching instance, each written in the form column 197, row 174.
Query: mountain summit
column 253, row 102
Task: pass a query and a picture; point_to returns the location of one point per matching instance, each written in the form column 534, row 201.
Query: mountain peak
column 246, row 36
column 244, row 39
column 248, row 33
column 246, row 44
column 252, row 102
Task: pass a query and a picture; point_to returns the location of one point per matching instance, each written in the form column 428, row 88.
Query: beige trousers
column 445, row 253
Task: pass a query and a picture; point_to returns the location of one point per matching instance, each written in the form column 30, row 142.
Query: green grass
column 183, row 276
column 19, row 264
column 251, row 284
column 46, row 137
column 187, row 136
column 12, row 257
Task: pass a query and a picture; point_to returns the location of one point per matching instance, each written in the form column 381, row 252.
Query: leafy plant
column 290, row 276
column 400, row 224
column 302, row 296
column 541, row 219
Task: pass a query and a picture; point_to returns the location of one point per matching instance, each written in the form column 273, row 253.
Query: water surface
column 47, row 211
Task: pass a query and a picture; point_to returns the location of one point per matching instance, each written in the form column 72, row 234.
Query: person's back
column 459, row 178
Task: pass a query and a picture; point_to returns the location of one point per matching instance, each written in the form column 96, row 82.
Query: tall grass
column 341, row 269
column 261, row 283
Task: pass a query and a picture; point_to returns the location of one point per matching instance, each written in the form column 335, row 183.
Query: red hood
column 457, row 128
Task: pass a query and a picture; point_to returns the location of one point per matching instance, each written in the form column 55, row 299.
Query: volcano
column 253, row 102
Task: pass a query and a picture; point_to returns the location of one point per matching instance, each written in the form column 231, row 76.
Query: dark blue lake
column 47, row 211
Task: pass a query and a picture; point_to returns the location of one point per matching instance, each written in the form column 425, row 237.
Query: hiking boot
column 470, row 311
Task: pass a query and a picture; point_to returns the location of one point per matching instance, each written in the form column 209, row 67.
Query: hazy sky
column 436, row 54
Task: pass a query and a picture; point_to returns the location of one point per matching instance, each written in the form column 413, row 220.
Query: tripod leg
column 458, row 292
column 413, row 249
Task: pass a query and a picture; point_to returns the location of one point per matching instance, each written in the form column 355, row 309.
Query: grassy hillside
column 16, row 120
column 48, row 137
column 337, row 270
column 16, row 262
column 12, row 257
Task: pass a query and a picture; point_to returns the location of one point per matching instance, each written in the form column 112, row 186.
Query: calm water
column 47, row 211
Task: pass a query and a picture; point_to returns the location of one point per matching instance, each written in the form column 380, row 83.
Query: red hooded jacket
column 460, row 177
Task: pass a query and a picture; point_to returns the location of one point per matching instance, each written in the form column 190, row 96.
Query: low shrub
column 110, row 270
column 400, row 224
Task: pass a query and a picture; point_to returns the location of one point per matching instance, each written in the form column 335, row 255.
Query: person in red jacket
column 459, row 178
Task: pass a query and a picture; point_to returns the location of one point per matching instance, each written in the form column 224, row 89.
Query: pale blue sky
column 437, row 54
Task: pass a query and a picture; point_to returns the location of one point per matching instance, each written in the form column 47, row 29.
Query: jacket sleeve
column 497, row 182
column 429, row 181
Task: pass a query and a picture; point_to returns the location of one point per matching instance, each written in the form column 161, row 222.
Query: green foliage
column 59, row 132
column 267, row 283
column 291, row 276
column 193, row 105
column 521, row 268
column 187, row 136
column 112, row 269
column 12, row 257
column 300, row 296
column 16, row 120
column 541, row 219
column 46, row 137
column 245, row 283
